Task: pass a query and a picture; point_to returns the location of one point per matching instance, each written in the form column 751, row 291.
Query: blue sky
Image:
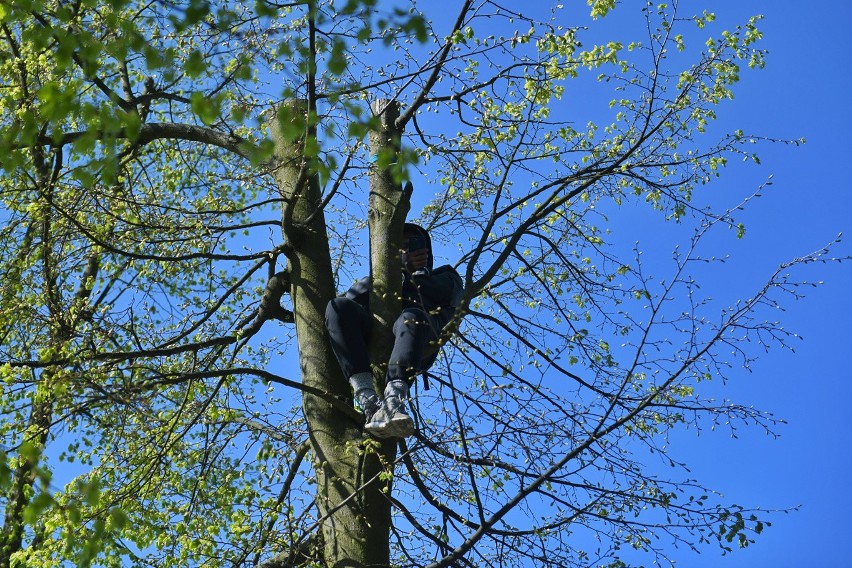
column 803, row 92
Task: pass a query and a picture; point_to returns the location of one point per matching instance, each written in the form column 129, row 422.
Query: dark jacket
column 437, row 291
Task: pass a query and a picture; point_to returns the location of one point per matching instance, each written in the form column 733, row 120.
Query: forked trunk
column 351, row 494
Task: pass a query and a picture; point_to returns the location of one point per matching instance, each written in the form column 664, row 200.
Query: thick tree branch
column 152, row 131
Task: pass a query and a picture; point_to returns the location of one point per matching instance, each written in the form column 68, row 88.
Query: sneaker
column 369, row 405
column 390, row 420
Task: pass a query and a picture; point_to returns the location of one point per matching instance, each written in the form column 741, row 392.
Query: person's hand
column 416, row 259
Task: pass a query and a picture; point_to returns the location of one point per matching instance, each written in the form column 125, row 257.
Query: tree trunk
column 351, row 503
column 388, row 208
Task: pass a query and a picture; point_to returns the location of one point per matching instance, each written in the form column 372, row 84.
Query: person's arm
column 441, row 287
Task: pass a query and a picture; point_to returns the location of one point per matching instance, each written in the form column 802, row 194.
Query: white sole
column 397, row 427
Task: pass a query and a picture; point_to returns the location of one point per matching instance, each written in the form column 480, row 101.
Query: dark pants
column 348, row 325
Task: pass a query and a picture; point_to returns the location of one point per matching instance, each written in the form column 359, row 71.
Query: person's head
column 415, row 237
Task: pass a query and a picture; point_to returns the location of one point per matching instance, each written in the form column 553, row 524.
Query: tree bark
column 387, row 210
column 354, row 512
column 388, row 206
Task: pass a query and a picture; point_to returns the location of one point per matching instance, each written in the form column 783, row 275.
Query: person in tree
column 430, row 297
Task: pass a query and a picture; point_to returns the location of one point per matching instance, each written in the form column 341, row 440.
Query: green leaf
column 204, row 107
column 5, row 471
column 337, row 60
column 195, row 12
column 132, row 125
column 36, row 507
column 55, row 101
column 195, row 64
column 118, row 518
column 264, row 9
column 92, row 492
column 600, row 8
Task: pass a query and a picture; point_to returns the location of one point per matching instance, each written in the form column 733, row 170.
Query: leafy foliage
column 145, row 417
